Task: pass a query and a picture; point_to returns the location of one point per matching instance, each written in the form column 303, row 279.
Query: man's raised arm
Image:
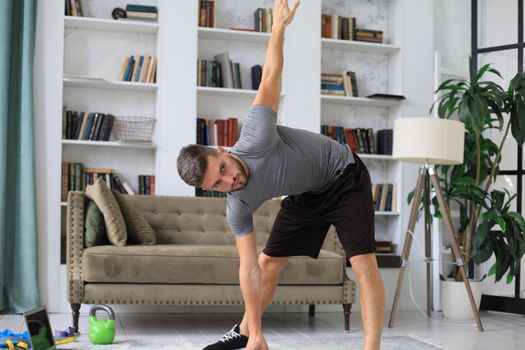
column 269, row 90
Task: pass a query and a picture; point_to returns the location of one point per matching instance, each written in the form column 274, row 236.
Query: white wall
column 48, row 106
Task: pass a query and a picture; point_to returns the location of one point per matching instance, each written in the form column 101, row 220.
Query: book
column 128, row 188
column 227, row 74
column 384, row 141
column 124, row 68
column 256, row 76
column 386, row 96
column 206, row 13
column 64, row 181
column 141, row 8
column 141, row 15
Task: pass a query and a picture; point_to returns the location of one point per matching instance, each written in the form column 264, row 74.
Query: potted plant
column 487, row 226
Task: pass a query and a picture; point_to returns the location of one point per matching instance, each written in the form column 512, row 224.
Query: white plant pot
column 454, row 298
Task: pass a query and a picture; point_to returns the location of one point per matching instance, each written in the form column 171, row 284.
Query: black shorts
column 302, row 223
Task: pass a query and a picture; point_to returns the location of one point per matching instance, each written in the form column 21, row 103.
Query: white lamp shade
column 429, row 140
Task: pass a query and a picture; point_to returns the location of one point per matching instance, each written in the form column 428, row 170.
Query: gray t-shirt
column 282, row 161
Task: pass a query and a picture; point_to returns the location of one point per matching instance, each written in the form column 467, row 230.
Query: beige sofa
column 194, row 262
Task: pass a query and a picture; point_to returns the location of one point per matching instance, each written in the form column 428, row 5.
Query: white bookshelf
column 213, row 91
column 371, row 63
column 93, row 51
column 360, row 101
column 110, row 144
column 99, row 83
column 176, row 101
column 121, row 25
column 233, row 35
column 358, row 46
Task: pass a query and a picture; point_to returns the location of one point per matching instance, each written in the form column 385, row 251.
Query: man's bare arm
column 269, row 89
column 250, row 280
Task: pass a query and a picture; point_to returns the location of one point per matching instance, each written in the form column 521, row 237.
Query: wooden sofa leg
column 311, row 310
column 347, row 308
column 76, row 314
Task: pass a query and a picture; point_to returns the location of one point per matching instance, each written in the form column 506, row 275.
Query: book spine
column 152, row 185
column 65, row 181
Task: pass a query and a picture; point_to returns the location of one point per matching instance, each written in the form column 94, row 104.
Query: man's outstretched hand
column 282, row 14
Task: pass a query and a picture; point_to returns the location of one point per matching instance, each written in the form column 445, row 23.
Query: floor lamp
column 429, row 141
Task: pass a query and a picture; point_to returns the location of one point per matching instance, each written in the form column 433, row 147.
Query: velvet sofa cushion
column 95, row 227
column 202, row 264
column 139, row 230
column 100, row 193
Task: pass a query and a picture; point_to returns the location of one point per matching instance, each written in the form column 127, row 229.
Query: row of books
column 139, row 68
column 87, row 126
column 210, row 73
column 263, row 20
column 76, row 177
column 344, row 28
column 217, row 132
column 74, row 8
column 369, row 35
column 361, row 140
column 199, row 192
column 207, row 13
column 344, row 84
column 337, row 27
column 385, row 197
column 146, row 185
column 214, row 74
column 142, row 12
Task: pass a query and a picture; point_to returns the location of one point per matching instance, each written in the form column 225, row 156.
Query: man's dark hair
column 192, row 163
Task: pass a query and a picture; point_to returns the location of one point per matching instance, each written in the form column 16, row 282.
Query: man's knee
column 272, row 264
column 364, row 265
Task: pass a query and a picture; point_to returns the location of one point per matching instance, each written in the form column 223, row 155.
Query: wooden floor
column 502, row 331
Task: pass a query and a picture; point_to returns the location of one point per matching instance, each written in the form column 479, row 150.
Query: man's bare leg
column 372, row 298
column 271, row 268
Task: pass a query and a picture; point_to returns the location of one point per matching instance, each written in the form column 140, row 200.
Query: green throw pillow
column 104, row 199
column 95, row 233
column 139, row 230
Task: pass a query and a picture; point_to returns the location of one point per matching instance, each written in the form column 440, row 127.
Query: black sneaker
column 229, row 341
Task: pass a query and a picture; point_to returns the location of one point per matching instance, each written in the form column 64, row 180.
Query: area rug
column 303, row 343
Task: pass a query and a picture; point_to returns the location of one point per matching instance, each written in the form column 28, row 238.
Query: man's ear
column 221, row 149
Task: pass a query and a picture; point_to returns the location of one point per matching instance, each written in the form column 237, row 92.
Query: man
column 325, row 183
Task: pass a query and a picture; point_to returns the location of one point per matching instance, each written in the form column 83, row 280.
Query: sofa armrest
column 75, row 245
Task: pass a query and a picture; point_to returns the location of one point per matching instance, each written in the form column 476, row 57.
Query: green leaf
column 492, row 270
column 501, row 222
column 497, row 198
column 518, row 219
column 481, row 234
column 509, row 278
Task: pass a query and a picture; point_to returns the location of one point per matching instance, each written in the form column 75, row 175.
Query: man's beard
column 241, row 173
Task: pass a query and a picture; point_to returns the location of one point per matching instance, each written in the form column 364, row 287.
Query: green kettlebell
column 100, row 331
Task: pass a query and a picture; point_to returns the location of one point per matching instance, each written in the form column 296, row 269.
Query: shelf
column 112, row 144
column 233, row 35
column 87, row 82
column 121, row 25
column 384, row 261
column 387, row 213
column 362, row 101
column 213, row 91
column 376, row 156
column 358, row 46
